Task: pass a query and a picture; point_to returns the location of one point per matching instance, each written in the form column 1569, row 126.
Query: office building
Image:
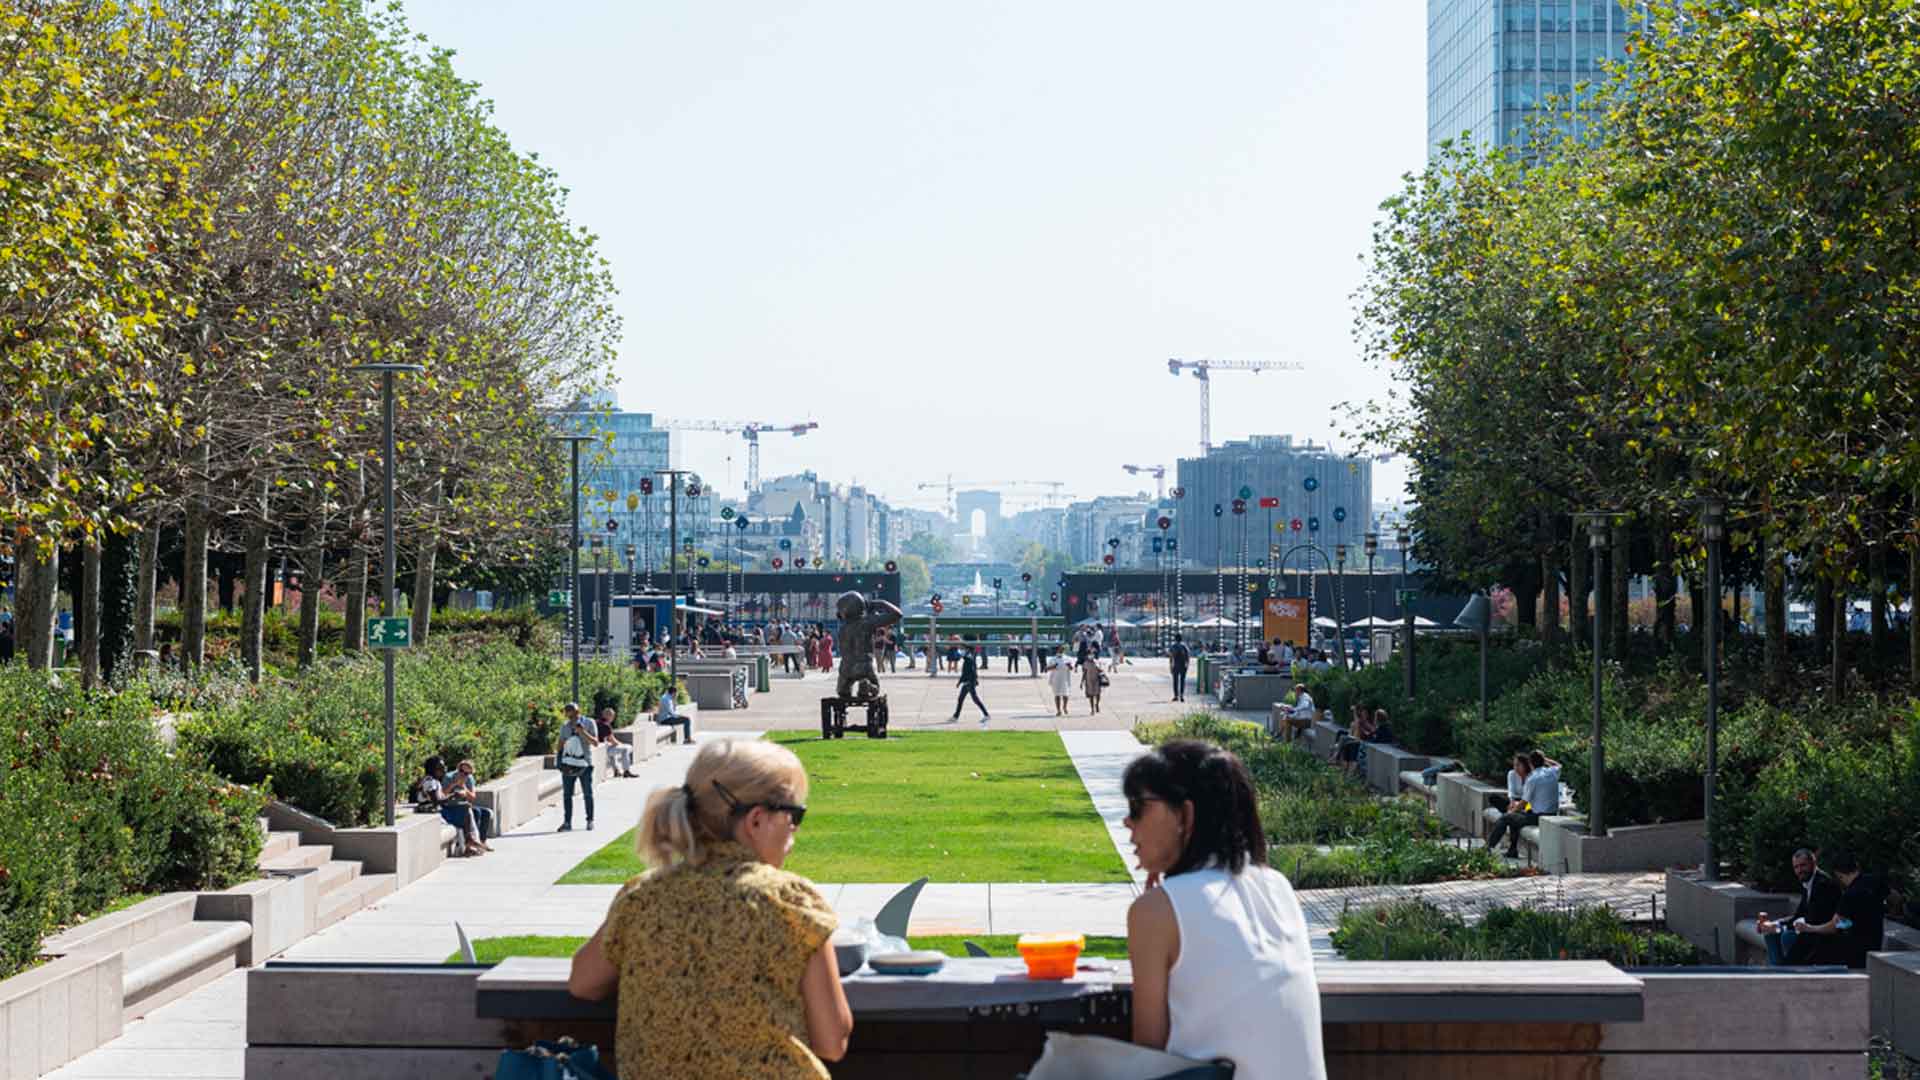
column 1491, row 64
column 1312, row 484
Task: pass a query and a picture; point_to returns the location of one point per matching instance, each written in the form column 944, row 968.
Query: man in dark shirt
column 1786, row 944
column 1177, row 657
column 1859, row 922
column 970, row 686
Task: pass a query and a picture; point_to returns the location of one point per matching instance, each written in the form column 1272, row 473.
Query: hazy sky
column 965, row 236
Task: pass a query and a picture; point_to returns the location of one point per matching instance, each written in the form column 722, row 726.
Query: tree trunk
column 193, row 587
column 1823, row 617
column 1666, row 587
column 1839, row 643
column 146, row 580
column 1776, row 658
column 39, row 582
column 312, row 569
column 354, row 635
column 1620, row 560
column 1913, row 612
column 1577, row 591
column 86, row 615
column 1877, row 582
column 1550, row 586
column 1526, row 605
column 423, row 562
column 253, row 611
column 117, row 573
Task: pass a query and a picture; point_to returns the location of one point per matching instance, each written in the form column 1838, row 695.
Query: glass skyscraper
column 1492, row 63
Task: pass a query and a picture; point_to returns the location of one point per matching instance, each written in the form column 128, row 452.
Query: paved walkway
column 512, row 891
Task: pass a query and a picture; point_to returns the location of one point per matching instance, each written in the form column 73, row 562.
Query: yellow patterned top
column 710, row 956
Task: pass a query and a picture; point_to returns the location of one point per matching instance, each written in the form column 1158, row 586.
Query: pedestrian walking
column 1060, row 680
column 577, row 739
column 970, row 687
column 1177, row 657
column 1092, row 680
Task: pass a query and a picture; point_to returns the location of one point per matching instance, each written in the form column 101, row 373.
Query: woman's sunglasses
column 1137, row 805
column 736, row 807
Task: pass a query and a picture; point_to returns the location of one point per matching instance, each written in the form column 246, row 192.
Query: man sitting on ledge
column 1819, row 896
column 1539, row 796
column 670, row 716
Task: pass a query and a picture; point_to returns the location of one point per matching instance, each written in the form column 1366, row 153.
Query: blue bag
column 562, row 1060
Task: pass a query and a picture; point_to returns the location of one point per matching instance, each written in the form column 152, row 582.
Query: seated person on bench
column 453, row 803
column 1819, row 898
column 619, row 754
column 671, row 716
column 1539, row 796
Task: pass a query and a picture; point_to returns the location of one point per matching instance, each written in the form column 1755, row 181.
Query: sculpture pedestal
column 833, row 717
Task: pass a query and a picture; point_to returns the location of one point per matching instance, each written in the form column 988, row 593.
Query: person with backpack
column 577, row 738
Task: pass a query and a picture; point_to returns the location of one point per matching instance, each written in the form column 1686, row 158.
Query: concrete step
column 278, row 844
column 304, row 857
column 127, row 927
column 173, row 964
column 352, row 896
column 335, row 873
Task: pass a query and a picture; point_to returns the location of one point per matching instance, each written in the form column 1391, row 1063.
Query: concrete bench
column 1414, row 782
column 1566, row 847
column 1385, row 763
column 1894, row 987
column 1464, row 800
column 1255, row 692
column 1708, row 914
column 1323, row 736
column 709, row 689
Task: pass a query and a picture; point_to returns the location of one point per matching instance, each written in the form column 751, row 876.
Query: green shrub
column 1447, row 676
column 95, row 808
column 1820, row 791
column 318, row 737
column 1418, row 930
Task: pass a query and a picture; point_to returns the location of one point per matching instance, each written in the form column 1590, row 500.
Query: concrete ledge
column 59, row 1011
column 1258, row 692
column 1705, row 913
column 152, row 967
column 710, row 690
column 1385, row 763
column 1323, row 736
column 1895, row 1012
column 409, row 850
column 281, row 910
column 514, row 798
column 1463, row 799
column 125, row 928
column 1566, row 847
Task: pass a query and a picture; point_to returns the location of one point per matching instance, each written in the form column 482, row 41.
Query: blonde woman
column 722, row 959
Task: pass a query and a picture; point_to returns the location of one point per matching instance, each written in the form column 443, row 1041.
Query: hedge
column 93, row 808
column 319, row 737
column 1418, row 930
column 1446, row 677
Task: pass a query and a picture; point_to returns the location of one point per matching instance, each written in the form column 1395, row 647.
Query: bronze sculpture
column 859, row 618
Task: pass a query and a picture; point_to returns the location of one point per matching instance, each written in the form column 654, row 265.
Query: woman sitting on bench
column 455, row 804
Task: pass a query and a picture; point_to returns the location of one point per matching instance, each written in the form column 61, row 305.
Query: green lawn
column 493, row 950
column 1002, row 806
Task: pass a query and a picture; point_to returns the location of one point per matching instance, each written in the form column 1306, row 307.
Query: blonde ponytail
column 677, row 821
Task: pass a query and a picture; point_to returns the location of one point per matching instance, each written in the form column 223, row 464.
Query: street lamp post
column 1597, row 526
column 1404, row 537
column 573, row 580
column 1340, row 605
column 388, row 561
column 1372, row 545
column 674, row 624
column 1713, row 529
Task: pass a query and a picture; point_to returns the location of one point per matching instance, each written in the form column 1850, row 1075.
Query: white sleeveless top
column 1243, row 987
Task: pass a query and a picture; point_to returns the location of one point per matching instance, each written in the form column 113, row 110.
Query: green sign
column 1408, row 596
column 726, row 513
column 390, row 632
column 557, row 598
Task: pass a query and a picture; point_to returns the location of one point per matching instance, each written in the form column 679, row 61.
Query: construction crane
column 950, row 484
column 749, row 430
column 1202, row 370
column 1159, row 473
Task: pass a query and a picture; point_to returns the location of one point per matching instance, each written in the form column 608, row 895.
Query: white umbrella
column 1212, row 623
column 1326, row 623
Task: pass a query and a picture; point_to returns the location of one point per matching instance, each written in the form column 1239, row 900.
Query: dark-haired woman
column 1222, row 967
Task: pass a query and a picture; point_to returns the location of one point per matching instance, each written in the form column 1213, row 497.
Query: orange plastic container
column 1051, row 956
